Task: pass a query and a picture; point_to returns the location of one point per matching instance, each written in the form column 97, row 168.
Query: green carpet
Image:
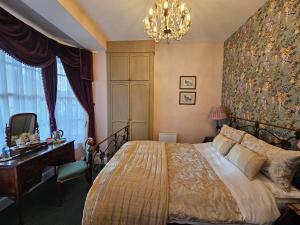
column 41, row 206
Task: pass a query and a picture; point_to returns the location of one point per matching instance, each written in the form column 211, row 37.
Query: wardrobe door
column 119, row 66
column 139, row 110
column 119, row 105
column 139, row 66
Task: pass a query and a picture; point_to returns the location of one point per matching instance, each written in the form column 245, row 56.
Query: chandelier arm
column 170, row 19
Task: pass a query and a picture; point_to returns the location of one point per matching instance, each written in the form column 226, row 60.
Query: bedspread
column 196, row 193
column 152, row 183
column 131, row 189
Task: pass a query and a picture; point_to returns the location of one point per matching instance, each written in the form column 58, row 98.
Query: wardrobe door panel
column 130, row 67
column 139, row 131
column 139, row 66
column 118, row 125
column 139, row 110
column 119, row 104
column 119, row 67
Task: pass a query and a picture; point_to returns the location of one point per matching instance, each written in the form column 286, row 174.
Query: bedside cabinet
column 291, row 216
column 208, row 139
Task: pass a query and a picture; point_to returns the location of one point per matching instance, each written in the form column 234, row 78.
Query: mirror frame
column 9, row 127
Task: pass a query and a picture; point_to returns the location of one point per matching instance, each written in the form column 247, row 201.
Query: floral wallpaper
column 262, row 66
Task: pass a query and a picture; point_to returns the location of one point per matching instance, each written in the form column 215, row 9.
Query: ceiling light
column 168, row 20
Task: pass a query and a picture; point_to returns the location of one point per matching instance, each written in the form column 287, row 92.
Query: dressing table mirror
column 19, row 124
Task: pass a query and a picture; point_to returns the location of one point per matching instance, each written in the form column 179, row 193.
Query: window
column 21, row 90
column 70, row 115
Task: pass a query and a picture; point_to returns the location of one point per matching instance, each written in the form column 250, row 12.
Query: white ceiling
column 212, row 20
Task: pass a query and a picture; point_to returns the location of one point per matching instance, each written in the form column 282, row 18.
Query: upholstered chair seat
column 71, row 171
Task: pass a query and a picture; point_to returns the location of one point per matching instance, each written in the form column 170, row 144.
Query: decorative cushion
column 222, row 144
column 71, row 170
column 246, row 160
column 281, row 165
column 232, row 133
column 278, row 192
column 259, row 146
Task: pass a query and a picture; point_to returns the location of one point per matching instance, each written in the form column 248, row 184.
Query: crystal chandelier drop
column 169, row 19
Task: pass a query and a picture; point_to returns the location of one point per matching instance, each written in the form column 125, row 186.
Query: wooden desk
column 21, row 173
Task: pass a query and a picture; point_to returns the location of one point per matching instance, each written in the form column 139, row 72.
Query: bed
column 155, row 183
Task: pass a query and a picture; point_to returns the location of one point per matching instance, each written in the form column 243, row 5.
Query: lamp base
column 218, row 127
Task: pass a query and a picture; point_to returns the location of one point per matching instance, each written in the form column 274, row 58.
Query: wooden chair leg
column 60, row 192
column 88, row 176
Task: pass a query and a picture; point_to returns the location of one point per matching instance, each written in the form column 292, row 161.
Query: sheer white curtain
column 21, row 90
column 70, row 115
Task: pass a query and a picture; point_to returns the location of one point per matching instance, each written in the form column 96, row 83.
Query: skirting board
column 5, row 202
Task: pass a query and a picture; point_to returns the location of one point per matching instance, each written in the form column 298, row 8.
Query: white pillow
column 246, row 160
column 222, row 144
column 234, row 134
column 294, row 193
column 281, row 165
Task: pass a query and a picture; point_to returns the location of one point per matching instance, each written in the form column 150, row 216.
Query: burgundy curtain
column 75, row 57
column 33, row 48
column 49, row 75
column 78, row 65
column 86, row 65
column 83, row 91
column 23, row 42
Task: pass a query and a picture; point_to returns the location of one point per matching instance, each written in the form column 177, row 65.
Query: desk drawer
column 30, row 174
column 59, row 156
column 29, row 182
column 7, row 181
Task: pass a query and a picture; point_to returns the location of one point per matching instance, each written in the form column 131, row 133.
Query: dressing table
column 19, row 174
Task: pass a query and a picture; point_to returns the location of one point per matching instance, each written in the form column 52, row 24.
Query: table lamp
column 218, row 113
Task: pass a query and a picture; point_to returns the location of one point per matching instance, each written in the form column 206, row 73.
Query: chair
column 73, row 170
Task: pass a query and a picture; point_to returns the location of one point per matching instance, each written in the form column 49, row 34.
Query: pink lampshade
column 217, row 113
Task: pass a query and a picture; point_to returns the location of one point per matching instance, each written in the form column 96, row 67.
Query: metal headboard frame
column 257, row 128
column 285, row 143
column 103, row 151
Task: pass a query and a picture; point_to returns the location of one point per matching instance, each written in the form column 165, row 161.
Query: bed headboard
column 286, row 138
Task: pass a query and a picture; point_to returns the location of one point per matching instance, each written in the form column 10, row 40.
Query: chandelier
column 169, row 19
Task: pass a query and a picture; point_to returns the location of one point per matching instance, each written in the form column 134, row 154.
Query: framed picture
column 187, row 98
column 187, row 82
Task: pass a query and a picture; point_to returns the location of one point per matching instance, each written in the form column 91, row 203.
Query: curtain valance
column 76, row 57
column 23, row 42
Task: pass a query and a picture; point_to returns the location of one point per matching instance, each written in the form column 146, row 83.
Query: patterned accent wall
column 262, row 66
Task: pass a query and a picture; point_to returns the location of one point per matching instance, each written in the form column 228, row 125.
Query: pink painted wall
column 100, row 94
column 171, row 61
column 186, row 59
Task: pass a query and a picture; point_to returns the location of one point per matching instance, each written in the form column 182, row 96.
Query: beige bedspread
column 150, row 183
column 196, row 193
column 132, row 189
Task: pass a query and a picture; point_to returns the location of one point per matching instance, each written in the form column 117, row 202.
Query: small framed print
column 187, row 82
column 187, row 98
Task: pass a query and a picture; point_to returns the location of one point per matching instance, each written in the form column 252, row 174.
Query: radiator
column 168, row 137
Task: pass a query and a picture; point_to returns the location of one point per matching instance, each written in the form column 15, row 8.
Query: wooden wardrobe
column 130, row 87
